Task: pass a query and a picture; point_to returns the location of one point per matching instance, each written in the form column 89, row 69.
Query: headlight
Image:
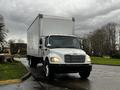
column 88, row 58
column 54, row 59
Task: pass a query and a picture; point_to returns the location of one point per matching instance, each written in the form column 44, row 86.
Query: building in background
column 18, row 48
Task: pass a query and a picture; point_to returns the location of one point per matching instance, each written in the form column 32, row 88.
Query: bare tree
column 102, row 40
column 87, row 45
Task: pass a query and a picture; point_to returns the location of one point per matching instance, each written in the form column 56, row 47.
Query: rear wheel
column 29, row 62
column 84, row 75
column 32, row 63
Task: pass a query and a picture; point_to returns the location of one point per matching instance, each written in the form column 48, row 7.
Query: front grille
column 74, row 58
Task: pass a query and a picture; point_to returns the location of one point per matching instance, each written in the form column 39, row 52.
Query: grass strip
column 14, row 70
column 106, row 61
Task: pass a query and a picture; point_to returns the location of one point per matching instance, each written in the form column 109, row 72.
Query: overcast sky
column 89, row 14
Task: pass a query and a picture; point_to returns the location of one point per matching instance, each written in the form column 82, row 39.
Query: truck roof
column 52, row 17
column 55, row 17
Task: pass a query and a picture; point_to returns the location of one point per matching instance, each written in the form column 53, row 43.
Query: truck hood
column 69, row 51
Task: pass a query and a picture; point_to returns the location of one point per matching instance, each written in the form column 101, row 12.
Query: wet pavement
column 102, row 78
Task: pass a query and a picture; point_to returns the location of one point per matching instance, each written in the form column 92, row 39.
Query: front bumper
column 70, row 68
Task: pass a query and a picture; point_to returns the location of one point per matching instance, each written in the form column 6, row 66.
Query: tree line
column 102, row 42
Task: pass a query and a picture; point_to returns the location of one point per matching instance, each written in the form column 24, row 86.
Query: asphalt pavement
column 102, row 78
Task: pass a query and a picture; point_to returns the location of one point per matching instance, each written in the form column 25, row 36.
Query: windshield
column 62, row 42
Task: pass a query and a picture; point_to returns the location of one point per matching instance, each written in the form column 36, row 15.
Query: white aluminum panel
column 33, row 39
column 51, row 26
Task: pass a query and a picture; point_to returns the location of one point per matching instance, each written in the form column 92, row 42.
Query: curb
column 26, row 76
column 14, row 81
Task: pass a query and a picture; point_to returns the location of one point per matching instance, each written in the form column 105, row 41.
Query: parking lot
column 102, row 78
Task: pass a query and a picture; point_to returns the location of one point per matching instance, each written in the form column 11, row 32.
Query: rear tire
column 84, row 75
column 32, row 63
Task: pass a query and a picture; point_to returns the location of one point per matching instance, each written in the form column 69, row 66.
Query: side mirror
column 40, row 42
column 48, row 45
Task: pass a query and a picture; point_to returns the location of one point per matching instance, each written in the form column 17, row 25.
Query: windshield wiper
column 71, row 47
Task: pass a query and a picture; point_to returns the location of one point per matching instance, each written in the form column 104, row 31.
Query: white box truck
column 51, row 41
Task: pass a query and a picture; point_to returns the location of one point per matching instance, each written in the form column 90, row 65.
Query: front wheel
column 48, row 73
column 84, row 75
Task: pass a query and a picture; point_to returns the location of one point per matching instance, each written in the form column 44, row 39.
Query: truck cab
column 62, row 54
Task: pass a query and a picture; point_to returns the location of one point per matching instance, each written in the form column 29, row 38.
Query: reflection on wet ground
column 102, row 78
column 69, row 81
column 31, row 84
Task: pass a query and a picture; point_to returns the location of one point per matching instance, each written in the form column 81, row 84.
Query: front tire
column 84, row 75
column 48, row 72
